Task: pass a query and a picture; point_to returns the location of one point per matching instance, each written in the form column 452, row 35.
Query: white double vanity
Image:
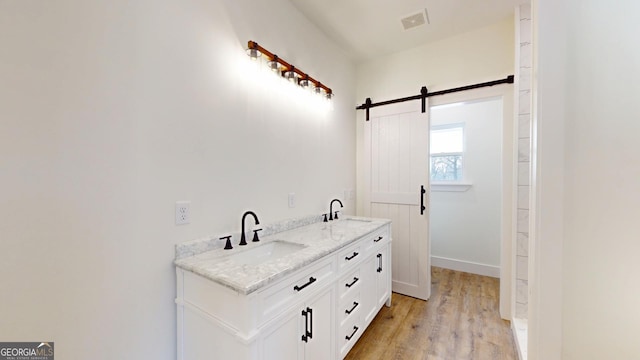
column 307, row 290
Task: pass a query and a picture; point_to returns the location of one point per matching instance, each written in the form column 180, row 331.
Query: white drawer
column 376, row 238
column 348, row 334
column 349, row 309
column 351, row 255
column 296, row 287
column 349, row 284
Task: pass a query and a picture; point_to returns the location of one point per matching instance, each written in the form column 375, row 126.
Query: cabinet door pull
column 355, row 305
column 422, row 207
column 355, row 280
column 311, row 281
column 310, row 331
column 355, row 329
column 348, row 258
column 379, row 263
column 306, row 326
column 378, row 239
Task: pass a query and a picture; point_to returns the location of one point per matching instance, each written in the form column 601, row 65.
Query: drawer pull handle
column 355, row 280
column 379, row 263
column 349, row 258
column 355, row 305
column 311, row 281
column 355, row 329
column 378, row 239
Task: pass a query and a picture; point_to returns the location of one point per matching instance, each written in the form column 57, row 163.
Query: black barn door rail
column 424, row 94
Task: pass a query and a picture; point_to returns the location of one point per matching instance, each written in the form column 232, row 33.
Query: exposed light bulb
column 254, row 54
column 305, row 83
column 291, row 75
column 273, row 66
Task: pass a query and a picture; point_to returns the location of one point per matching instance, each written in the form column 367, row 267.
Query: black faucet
column 243, row 239
column 331, row 209
column 227, row 246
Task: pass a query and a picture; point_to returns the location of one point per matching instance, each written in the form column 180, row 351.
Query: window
column 447, row 144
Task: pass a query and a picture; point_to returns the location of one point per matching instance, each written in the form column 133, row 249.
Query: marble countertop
column 319, row 238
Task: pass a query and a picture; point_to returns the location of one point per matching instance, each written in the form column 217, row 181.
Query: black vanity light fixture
column 288, row 71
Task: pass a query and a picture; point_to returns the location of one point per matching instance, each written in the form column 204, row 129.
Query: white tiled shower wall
column 524, row 150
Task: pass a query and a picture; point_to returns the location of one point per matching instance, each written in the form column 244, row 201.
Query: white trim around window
column 450, row 186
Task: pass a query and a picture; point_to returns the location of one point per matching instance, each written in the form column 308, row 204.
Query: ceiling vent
column 419, row 19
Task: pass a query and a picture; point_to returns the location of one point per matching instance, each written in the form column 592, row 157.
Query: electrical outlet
column 183, row 215
column 292, row 200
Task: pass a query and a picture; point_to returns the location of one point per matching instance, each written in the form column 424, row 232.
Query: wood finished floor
column 460, row 321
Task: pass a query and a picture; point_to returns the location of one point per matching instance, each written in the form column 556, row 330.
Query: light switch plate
column 348, row 194
column 292, row 200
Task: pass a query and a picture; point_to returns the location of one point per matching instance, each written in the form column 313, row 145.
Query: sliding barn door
column 396, row 141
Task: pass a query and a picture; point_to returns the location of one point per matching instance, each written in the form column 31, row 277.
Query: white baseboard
column 466, row 266
column 519, row 331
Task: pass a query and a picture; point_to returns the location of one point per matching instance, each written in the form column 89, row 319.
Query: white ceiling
column 368, row 28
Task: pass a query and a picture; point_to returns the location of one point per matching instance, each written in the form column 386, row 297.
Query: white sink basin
column 352, row 223
column 266, row 252
column 358, row 220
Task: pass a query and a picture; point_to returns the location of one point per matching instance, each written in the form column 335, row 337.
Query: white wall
column 465, row 226
column 113, row 110
column 588, row 169
column 484, row 54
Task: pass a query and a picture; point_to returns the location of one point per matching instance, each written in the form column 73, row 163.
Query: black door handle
column 422, row 207
column 378, row 239
column 306, row 326
column 379, row 256
column 310, row 331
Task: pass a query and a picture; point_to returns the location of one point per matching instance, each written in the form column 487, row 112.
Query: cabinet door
column 305, row 333
column 383, row 271
column 320, row 346
column 369, row 292
column 283, row 338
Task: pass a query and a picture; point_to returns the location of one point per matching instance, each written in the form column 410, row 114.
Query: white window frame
column 450, row 185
